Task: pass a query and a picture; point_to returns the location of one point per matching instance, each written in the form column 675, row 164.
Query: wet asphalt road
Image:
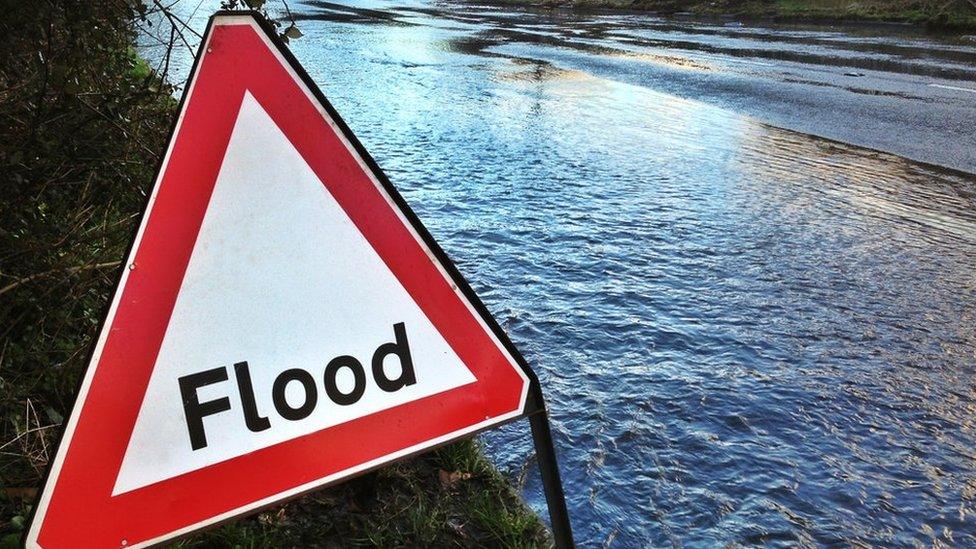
column 891, row 88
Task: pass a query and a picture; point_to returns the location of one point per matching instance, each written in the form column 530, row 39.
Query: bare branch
column 69, row 270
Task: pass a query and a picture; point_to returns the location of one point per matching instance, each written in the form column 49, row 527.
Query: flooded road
column 746, row 334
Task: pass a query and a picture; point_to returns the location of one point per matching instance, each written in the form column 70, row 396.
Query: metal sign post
column 545, row 453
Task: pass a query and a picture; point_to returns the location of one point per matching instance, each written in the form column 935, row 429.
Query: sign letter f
column 195, row 410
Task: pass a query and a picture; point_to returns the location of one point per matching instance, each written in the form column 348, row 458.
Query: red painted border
column 82, row 511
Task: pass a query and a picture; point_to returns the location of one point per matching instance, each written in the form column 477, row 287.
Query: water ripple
column 747, row 335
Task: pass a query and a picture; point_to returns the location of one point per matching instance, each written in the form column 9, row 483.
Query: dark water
column 746, row 334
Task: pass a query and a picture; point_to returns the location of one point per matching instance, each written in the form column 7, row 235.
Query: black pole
column 555, row 499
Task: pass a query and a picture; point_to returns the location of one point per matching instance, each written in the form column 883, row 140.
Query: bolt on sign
column 284, row 321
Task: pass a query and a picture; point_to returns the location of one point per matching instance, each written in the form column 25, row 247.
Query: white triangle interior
column 279, row 277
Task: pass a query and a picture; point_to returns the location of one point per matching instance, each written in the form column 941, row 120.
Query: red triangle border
column 241, row 52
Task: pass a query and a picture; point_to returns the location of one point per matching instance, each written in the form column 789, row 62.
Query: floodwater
column 746, row 334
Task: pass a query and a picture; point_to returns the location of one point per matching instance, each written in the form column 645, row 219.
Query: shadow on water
column 740, row 43
column 340, row 13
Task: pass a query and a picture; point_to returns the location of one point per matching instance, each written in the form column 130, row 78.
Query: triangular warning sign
column 284, row 321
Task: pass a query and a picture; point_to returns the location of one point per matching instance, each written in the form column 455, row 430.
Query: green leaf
column 54, row 415
column 254, row 4
column 17, row 522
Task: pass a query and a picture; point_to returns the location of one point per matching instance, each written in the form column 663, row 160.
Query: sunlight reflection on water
column 746, row 334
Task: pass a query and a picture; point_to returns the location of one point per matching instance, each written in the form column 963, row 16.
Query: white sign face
column 281, row 278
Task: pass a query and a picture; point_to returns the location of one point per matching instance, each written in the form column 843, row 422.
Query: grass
column 452, row 497
column 945, row 14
